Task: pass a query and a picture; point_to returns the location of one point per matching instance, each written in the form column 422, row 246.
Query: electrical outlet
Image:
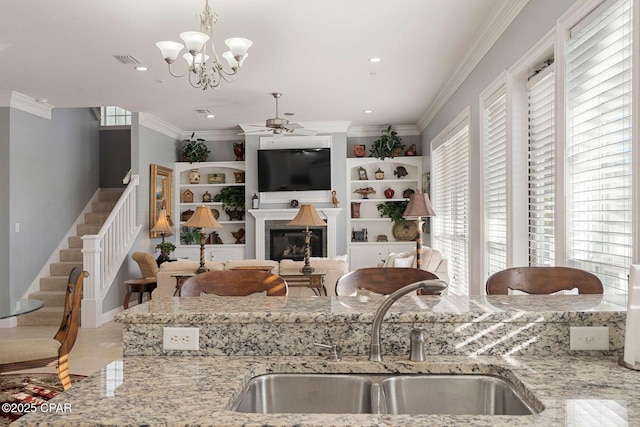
column 589, row 338
column 181, row 338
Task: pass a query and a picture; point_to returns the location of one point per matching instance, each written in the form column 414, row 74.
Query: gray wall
column 536, row 19
column 115, row 156
column 147, row 147
column 5, row 233
column 53, row 167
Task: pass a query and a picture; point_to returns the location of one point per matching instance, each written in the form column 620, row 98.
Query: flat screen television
column 296, row 169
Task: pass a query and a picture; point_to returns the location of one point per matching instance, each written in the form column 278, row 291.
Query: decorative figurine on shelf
column 400, row 171
column 411, row 151
column 365, row 191
column 334, row 199
column 206, row 197
column 239, row 176
column 187, row 196
column 379, row 174
column 388, row 193
column 238, row 150
column 239, row 236
column 382, row 238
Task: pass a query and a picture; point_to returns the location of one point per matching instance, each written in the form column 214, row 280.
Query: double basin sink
column 383, row 394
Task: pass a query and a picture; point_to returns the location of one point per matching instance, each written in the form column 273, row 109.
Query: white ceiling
column 314, row 51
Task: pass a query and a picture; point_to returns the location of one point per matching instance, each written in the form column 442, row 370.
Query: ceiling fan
column 279, row 126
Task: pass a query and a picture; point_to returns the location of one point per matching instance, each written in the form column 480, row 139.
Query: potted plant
column 232, row 199
column 165, row 249
column 189, row 235
column 194, row 150
column 394, row 210
column 389, row 145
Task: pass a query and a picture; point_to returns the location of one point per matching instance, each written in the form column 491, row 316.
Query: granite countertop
column 180, row 391
column 459, row 308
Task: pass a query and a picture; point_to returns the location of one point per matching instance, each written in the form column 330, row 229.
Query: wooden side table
column 313, row 281
column 180, row 278
column 140, row 286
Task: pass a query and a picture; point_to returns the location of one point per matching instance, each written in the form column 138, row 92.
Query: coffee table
column 16, row 307
column 313, row 280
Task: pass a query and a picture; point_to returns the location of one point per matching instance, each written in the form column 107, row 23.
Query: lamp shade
column 307, row 216
column 163, row 224
column 202, row 218
column 419, row 206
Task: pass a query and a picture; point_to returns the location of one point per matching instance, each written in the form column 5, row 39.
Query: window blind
column 495, row 181
column 541, row 168
column 450, row 199
column 599, row 185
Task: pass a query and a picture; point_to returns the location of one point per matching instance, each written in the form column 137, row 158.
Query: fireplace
column 285, row 242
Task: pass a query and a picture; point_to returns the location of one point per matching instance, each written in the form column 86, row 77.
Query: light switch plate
column 181, row 338
column 589, row 338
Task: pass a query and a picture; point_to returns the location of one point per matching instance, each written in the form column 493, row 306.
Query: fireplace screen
column 289, row 243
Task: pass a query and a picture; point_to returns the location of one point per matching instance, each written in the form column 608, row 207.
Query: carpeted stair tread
column 71, row 255
column 46, row 316
column 75, row 242
column 63, row 268
column 96, row 217
column 49, row 298
column 102, row 206
column 84, row 229
column 110, row 194
column 54, row 283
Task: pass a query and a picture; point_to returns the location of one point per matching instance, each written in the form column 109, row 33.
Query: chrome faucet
column 434, row 286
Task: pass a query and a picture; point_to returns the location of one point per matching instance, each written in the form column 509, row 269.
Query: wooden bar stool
column 140, row 286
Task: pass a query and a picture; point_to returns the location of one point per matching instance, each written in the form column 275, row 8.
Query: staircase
column 53, row 288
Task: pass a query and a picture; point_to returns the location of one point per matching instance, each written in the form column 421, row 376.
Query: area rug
column 21, row 393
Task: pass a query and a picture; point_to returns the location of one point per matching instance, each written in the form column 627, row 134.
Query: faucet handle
column 336, row 351
column 417, row 345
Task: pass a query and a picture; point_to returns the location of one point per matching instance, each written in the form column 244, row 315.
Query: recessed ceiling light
column 210, row 116
column 367, row 111
column 375, row 59
column 141, row 68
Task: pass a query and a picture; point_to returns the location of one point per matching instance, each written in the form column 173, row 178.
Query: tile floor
column 94, row 347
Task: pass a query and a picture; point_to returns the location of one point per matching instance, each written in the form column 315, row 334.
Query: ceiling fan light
column 194, row 40
column 232, row 61
column 170, row 50
column 238, row 46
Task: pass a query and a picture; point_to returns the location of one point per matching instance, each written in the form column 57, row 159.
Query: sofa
column 335, row 267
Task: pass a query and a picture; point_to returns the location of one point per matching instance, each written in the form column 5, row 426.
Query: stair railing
column 103, row 253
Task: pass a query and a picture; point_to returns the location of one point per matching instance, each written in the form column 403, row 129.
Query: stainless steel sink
column 384, row 394
column 306, row 393
column 452, row 394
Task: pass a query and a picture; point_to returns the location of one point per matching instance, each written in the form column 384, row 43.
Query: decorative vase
column 407, row 193
column 359, row 150
column 388, row 193
column 397, row 152
column 194, row 176
column 379, row 174
column 411, row 151
column 355, row 209
column 238, row 150
column 235, row 214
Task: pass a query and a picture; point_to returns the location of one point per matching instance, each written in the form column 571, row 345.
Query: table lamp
column 419, row 206
column 164, row 226
column 307, row 216
column 202, row 218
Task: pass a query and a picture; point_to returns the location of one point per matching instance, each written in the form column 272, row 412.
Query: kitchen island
column 523, row 339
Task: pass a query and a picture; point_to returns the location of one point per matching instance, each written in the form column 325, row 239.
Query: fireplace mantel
column 264, row 215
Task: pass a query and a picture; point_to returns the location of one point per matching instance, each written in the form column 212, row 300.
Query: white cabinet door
column 363, row 255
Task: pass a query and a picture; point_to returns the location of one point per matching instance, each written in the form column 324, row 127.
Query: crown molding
column 25, row 103
column 152, row 122
column 491, row 31
column 217, row 135
column 403, row 130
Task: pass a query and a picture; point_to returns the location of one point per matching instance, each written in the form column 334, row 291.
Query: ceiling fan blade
column 255, row 131
column 256, row 126
column 295, row 126
column 305, row 131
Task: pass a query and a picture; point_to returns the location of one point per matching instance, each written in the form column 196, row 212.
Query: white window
column 598, row 145
column 115, row 116
column 450, row 198
column 541, row 167
column 494, row 148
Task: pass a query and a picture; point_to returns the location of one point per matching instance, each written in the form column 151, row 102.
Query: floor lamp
column 165, row 228
column 307, row 216
column 202, row 218
column 419, row 206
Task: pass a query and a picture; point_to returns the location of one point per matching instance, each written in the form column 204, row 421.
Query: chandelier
column 204, row 74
